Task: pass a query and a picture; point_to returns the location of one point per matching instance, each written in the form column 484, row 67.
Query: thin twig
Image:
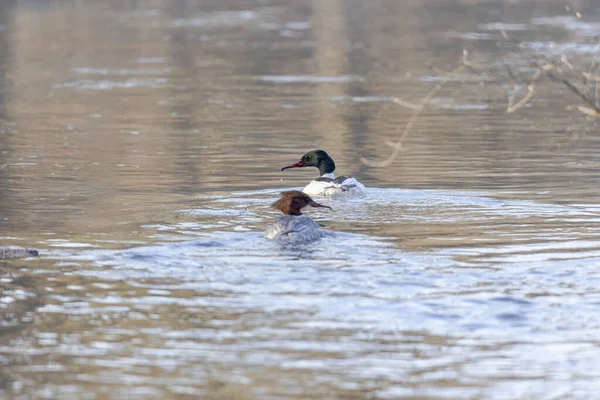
column 597, row 96
column 468, row 64
column 587, row 111
column 565, row 61
column 529, row 94
column 405, row 103
column 510, row 73
column 575, row 90
column 590, row 77
column 415, row 115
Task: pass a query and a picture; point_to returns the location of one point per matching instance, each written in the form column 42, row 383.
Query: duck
column 17, row 252
column 326, row 184
column 294, row 226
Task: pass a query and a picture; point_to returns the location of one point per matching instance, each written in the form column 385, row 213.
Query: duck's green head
column 315, row 158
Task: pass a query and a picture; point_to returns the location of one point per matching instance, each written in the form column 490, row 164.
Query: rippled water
column 140, row 149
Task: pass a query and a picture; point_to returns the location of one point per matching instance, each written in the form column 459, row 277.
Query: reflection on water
column 140, row 149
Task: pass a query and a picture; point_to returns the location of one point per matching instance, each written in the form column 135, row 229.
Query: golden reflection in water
column 330, row 58
column 105, row 138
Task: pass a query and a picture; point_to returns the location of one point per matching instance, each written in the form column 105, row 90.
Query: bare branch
column 406, row 104
column 414, row 117
column 565, row 61
column 598, row 86
column 588, row 111
column 575, row 90
column 590, row 77
column 529, row 94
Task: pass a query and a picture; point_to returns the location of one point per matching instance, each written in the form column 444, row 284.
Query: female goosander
column 327, row 184
column 294, row 226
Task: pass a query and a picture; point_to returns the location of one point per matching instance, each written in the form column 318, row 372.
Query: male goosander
column 327, row 184
column 294, row 226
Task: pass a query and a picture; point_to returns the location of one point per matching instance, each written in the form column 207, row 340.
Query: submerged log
column 15, row 252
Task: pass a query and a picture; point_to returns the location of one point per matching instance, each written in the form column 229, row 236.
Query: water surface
column 140, row 149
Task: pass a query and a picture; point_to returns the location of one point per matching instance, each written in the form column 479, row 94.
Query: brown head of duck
column 291, row 202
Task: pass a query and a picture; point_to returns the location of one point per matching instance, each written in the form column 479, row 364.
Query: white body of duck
column 296, row 228
column 327, row 184
column 293, row 226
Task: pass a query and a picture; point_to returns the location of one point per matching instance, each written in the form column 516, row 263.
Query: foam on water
column 106, row 84
column 358, row 281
